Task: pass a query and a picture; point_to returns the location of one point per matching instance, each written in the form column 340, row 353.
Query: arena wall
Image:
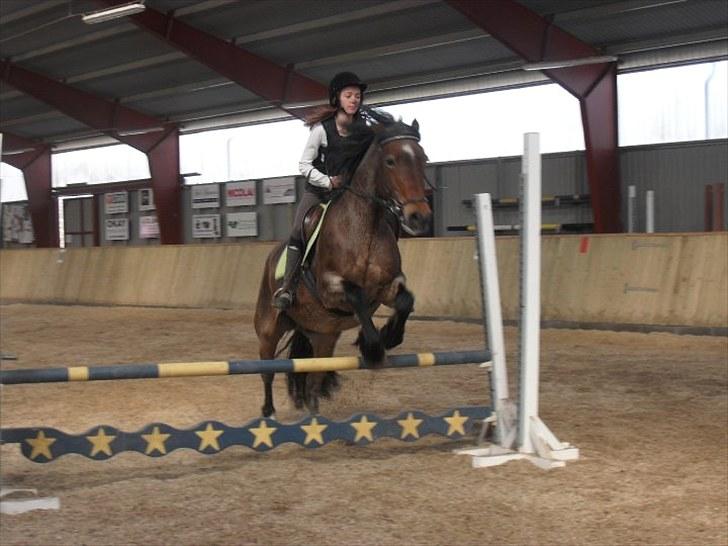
column 666, row 279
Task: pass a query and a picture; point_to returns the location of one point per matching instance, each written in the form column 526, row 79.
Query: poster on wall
column 205, row 196
column 205, row 226
column 240, row 194
column 117, row 229
column 17, row 227
column 148, row 227
column 146, row 199
column 241, row 224
column 279, row 190
column 116, row 203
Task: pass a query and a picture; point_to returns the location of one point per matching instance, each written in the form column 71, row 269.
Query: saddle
column 312, row 223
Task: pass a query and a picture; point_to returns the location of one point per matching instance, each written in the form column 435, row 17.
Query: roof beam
column 536, row 39
column 266, row 79
column 33, row 158
column 143, row 132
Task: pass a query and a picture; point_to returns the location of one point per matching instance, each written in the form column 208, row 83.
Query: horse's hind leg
column 269, row 335
column 369, row 341
column 392, row 333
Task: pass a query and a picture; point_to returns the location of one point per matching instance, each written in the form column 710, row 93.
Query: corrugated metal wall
column 677, row 173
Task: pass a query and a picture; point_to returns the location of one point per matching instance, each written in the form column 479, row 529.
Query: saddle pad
column 281, row 265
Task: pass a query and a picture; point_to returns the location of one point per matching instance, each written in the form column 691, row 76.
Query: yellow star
column 41, row 445
column 364, row 429
column 409, row 426
column 263, row 434
column 209, row 437
column 155, row 441
column 455, row 423
column 101, row 443
column 314, row 431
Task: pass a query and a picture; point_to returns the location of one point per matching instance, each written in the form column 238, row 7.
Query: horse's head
column 401, row 182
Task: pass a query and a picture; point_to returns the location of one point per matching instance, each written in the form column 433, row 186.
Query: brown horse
column 356, row 266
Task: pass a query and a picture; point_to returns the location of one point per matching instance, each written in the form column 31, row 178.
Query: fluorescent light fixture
column 116, row 12
column 135, row 132
column 551, row 65
column 18, row 152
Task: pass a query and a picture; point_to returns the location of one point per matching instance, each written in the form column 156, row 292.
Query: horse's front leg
column 369, row 340
column 392, row 333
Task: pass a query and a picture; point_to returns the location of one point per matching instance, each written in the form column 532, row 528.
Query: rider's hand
column 336, row 181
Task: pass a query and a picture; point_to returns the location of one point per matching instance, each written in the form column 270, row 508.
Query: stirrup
column 282, row 299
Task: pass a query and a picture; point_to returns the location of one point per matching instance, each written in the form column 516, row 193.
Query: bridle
column 392, row 204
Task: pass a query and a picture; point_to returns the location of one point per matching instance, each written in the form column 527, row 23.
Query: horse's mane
column 376, row 126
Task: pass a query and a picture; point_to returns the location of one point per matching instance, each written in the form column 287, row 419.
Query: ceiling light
column 551, row 65
column 116, row 12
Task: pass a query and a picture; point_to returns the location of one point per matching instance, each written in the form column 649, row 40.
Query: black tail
column 301, row 348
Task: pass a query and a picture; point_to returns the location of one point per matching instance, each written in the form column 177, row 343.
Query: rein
column 391, row 205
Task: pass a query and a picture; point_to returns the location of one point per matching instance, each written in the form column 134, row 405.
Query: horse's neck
column 359, row 203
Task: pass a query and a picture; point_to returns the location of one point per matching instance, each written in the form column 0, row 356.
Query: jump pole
column 533, row 441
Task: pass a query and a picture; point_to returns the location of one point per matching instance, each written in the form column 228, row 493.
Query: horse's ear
column 416, row 125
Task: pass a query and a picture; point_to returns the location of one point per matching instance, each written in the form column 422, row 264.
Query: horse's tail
column 301, row 348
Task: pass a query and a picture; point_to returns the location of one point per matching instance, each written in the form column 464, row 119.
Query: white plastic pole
column 530, row 289
column 492, row 307
column 650, row 211
column 632, row 196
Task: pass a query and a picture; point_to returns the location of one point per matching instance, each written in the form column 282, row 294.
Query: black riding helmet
column 342, row 80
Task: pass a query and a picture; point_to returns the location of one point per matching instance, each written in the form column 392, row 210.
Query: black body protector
column 330, row 160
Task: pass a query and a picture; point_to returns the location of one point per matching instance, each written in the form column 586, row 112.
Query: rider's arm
column 316, row 139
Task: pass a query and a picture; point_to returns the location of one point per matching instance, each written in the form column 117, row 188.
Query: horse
column 356, row 266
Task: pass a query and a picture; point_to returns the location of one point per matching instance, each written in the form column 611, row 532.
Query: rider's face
column 350, row 99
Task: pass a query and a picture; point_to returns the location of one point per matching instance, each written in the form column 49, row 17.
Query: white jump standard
column 522, row 435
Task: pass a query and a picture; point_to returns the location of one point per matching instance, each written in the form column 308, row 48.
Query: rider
column 321, row 164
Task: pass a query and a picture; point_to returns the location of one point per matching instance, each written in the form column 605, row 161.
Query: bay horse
column 356, row 266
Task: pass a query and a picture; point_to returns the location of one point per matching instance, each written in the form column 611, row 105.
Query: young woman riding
column 321, row 164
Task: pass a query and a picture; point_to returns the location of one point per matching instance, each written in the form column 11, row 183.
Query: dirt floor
column 648, row 412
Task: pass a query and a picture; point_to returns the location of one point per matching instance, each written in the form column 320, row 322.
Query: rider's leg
column 283, row 297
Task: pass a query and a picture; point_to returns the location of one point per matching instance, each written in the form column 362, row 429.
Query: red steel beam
column 536, row 39
column 272, row 82
column 139, row 130
column 36, row 166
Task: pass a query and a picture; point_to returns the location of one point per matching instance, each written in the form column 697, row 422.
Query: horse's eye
column 389, row 162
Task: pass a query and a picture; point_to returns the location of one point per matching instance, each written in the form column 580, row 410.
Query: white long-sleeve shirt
column 316, row 139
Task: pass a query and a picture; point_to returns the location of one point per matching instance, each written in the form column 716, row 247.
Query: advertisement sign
column 148, row 227
column 116, row 203
column 279, row 190
column 241, row 224
column 240, row 194
column 17, row 227
column 205, row 226
column 146, row 199
column 117, row 229
column 205, row 196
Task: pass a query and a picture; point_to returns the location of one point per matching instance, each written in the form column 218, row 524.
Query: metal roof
column 406, row 49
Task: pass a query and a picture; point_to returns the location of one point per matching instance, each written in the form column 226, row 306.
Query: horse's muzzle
column 416, row 218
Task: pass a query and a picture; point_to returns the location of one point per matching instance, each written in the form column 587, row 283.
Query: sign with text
column 240, row 194
column 241, row 224
column 117, row 229
column 146, row 199
column 148, row 227
column 279, row 190
column 206, row 226
column 205, row 196
column 116, row 203
column 17, row 226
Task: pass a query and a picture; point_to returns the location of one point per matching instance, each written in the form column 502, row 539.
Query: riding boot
column 283, row 297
